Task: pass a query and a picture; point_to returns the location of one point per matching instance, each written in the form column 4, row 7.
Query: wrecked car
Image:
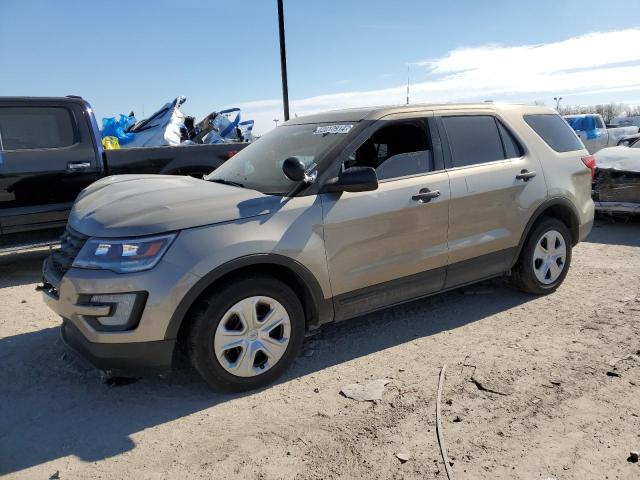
column 169, row 126
column 616, row 186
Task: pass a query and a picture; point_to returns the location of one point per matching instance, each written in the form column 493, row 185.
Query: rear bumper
column 584, row 230
column 119, row 357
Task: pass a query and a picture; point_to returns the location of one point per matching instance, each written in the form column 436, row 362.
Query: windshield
column 259, row 166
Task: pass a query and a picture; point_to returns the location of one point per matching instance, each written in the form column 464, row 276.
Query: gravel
column 58, row 415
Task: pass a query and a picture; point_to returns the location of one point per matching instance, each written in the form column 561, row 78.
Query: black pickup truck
column 51, row 149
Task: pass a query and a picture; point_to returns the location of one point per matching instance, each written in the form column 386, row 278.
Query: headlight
column 123, row 255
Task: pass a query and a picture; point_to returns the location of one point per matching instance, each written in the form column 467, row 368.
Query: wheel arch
column 559, row 208
column 317, row 309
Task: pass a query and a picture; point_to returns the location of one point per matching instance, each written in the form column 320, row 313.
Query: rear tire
column 545, row 258
column 231, row 336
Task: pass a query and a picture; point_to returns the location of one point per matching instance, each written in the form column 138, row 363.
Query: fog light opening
column 121, row 311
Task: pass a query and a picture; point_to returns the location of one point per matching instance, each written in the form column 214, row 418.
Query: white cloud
column 599, row 62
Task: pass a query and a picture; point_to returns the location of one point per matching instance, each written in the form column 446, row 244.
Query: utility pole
column 407, row 84
column 557, row 99
column 283, row 62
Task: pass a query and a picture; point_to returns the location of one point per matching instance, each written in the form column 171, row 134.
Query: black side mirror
column 354, row 179
column 294, row 169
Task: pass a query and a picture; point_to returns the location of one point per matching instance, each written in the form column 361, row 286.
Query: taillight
column 231, row 153
column 590, row 163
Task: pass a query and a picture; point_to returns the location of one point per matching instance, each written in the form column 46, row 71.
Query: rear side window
column 473, row 139
column 28, row 128
column 555, row 131
column 512, row 148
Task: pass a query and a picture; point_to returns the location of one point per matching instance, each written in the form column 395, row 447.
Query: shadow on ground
column 616, row 231
column 21, row 268
column 53, row 406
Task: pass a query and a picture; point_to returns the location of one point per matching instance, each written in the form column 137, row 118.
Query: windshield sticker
column 341, row 129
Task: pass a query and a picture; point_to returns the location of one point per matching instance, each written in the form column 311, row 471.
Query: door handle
column 525, row 175
column 73, row 166
column 425, row 195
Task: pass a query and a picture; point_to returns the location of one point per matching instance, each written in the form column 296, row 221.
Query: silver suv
column 325, row 218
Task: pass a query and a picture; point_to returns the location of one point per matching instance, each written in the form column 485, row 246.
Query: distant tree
column 608, row 110
column 633, row 111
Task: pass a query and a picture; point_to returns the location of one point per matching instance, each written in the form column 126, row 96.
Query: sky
column 124, row 56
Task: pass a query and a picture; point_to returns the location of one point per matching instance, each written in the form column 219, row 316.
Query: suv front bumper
column 142, row 347
column 119, row 357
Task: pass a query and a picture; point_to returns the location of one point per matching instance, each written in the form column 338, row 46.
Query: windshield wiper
column 227, row 182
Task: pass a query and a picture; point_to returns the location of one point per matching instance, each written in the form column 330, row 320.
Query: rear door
column 48, row 157
column 389, row 245
column 496, row 183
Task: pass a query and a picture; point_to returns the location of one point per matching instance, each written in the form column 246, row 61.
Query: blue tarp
column 112, row 127
column 585, row 123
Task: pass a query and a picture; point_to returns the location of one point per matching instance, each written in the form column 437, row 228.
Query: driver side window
column 399, row 149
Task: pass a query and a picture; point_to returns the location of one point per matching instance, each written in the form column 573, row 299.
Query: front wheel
column 246, row 334
column 545, row 258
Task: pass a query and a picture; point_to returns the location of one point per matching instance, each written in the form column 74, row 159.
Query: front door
column 389, row 245
column 46, row 161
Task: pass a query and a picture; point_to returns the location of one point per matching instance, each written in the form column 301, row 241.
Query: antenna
column 408, row 84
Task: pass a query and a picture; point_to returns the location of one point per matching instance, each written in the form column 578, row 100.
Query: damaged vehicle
column 51, row 149
column 616, row 186
column 169, row 126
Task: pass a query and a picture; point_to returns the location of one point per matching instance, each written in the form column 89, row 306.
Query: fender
column 322, row 307
column 551, row 202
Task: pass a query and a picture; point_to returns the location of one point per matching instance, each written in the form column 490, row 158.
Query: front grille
column 71, row 243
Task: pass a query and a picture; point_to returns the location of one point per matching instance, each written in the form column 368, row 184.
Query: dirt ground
column 563, row 370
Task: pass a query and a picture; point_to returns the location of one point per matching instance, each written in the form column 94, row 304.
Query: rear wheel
column 545, row 258
column 246, row 334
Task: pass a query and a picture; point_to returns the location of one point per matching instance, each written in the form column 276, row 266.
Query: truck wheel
column 246, row 334
column 545, row 258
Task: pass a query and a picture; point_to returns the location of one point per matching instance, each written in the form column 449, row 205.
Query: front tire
column 545, row 258
column 246, row 334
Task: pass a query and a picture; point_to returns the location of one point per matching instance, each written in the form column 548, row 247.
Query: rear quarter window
column 29, row 128
column 512, row 148
column 555, row 132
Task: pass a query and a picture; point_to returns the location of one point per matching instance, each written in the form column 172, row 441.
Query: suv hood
column 135, row 205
